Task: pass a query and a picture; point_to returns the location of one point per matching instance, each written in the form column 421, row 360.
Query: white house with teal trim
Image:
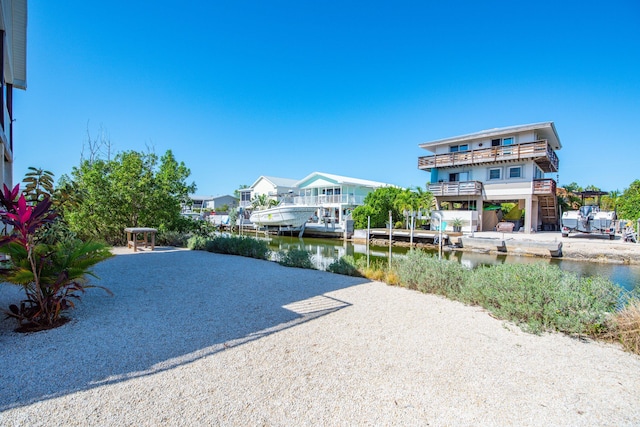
column 507, row 164
column 278, row 189
column 335, row 195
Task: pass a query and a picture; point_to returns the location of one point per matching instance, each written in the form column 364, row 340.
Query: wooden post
column 368, row 237
column 411, row 230
column 390, row 236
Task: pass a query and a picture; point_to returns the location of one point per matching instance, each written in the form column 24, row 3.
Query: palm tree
column 262, row 201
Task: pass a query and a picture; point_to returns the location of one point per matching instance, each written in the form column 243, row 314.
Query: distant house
column 210, row 202
column 278, row 189
column 336, row 195
column 219, row 202
column 13, row 72
column 498, row 165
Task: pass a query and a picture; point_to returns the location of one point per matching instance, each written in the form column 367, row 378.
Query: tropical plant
column 610, row 201
column 51, row 275
column 262, row 201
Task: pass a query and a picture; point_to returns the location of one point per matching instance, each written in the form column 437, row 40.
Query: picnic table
column 133, row 241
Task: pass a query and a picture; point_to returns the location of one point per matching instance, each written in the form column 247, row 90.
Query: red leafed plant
column 52, row 275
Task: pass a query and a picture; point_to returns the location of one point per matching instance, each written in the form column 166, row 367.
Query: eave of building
column 276, row 182
column 342, row 180
column 14, row 23
column 546, row 130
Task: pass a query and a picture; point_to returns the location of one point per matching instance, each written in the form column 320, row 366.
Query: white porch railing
column 338, row 199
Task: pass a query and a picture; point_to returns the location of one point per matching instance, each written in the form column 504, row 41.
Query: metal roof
column 545, row 130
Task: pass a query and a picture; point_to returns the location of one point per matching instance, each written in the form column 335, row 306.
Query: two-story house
column 335, row 195
column 275, row 188
column 13, row 74
column 498, row 165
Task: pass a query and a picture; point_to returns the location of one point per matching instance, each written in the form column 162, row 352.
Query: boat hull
column 291, row 216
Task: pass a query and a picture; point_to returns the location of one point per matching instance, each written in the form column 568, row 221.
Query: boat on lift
column 283, row 215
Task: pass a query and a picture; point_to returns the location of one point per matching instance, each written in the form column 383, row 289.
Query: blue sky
column 239, row 89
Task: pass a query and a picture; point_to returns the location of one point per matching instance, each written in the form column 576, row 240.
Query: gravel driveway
column 193, row 338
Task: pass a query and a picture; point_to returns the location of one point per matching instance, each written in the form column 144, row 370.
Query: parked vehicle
column 589, row 219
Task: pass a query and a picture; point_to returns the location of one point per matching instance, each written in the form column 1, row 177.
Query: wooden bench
column 133, row 241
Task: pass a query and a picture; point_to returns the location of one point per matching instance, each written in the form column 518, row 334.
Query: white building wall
column 263, row 187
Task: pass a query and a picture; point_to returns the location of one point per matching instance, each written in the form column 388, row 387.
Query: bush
column 426, row 273
column 172, row 238
column 197, row 243
column 624, row 326
column 541, row 297
column 239, row 245
column 298, row 258
column 345, row 265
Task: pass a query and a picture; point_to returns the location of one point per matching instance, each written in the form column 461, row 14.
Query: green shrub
column 426, row 273
column 298, row 258
column 345, row 265
column 172, row 238
column 541, row 297
column 239, row 245
column 197, row 243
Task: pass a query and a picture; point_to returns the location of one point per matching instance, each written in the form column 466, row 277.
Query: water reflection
column 325, row 251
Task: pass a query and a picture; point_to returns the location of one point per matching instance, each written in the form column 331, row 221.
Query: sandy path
column 193, row 338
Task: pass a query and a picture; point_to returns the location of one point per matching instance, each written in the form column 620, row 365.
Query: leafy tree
column 377, row 205
column 573, row 188
column 610, row 201
column 132, row 190
column 629, row 202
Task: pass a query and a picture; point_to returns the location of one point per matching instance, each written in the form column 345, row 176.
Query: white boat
column 283, row 215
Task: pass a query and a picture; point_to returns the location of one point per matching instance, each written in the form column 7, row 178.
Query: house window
column 504, row 141
column 515, row 172
column 454, row 177
column 495, row 173
column 456, row 148
column 537, row 173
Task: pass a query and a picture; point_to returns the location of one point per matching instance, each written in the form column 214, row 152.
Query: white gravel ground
column 192, row 338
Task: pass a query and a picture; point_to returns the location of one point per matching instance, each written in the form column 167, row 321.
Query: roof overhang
column 546, row 130
column 14, row 23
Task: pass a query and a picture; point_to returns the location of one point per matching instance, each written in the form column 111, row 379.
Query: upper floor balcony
column 456, row 188
column 544, row 187
column 538, row 151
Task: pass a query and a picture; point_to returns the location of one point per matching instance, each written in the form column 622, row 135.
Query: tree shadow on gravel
column 169, row 309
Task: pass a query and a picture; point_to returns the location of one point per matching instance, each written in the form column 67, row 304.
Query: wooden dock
column 419, row 236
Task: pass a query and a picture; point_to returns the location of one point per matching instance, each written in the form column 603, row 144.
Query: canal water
column 325, row 251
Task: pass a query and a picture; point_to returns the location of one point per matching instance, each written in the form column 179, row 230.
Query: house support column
column 528, row 211
column 479, row 209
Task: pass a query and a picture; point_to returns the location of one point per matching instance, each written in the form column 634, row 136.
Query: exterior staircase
column 548, row 205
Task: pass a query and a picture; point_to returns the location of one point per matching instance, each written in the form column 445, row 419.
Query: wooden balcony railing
column 544, row 186
column 540, row 151
column 461, row 188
